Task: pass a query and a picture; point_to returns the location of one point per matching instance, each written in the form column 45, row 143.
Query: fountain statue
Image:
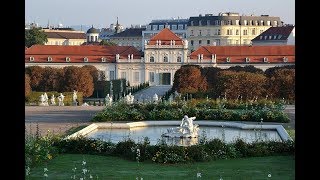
column 186, row 129
column 129, row 98
column 108, row 100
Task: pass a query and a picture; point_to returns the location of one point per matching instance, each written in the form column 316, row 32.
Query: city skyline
column 101, row 13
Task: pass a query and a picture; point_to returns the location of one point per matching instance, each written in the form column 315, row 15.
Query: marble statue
column 46, row 99
column 61, row 98
column 42, row 99
column 129, row 98
column 75, row 97
column 53, row 100
column 108, row 100
column 155, row 98
column 186, row 129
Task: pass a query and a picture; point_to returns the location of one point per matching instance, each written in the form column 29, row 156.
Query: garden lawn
column 108, row 167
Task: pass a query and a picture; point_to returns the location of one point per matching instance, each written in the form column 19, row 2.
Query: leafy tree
column 36, row 77
column 35, row 36
column 270, row 71
column 281, row 84
column 51, row 79
column 27, row 86
column 188, row 79
column 107, row 43
column 93, row 72
column 245, row 84
column 76, row 78
column 248, row 68
column 211, row 75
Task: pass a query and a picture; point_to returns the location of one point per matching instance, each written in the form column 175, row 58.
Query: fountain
column 186, row 129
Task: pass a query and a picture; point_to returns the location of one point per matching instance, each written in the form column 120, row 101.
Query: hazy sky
column 101, row 13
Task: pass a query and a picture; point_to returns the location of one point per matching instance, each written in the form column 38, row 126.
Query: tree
column 51, row 79
column 27, row 86
column 93, row 72
column 79, row 79
column 35, row 36
column 107, row 43
column 241, row 83
column 270, row 71
column 248, row 68
column 36, row 77
column 281, row 84
column 188, row 79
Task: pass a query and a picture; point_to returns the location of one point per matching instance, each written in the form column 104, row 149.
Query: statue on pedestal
column 53, row 100
column 129, row 98
column 61, row 98
column 108, row 100
column 155, row 98
column 75, row 98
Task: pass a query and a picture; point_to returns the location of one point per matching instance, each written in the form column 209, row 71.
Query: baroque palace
column 163, row 55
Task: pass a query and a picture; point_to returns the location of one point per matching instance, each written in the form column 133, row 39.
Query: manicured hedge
column 203, row 110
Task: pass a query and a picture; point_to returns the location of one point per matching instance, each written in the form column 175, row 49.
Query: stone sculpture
column 186, row 129
column 53, row 100
column 129, row 98
column 108, row 100
column 61, row 98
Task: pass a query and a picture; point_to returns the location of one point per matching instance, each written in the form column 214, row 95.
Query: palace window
column 173, row 27
column 123, row 75
column 31, row 58
column 179, row 59
column 265, row 59
column 151, row 76
column 237, row 31
column 111, row 73
column 67, row 59
column 85, row 59
column 228, row 59
column 247, row 59
column 245, row 32
column 49, row 59
column 200, row 42
column 200, row 33
column 253, row 32
column 208, row 42
column 180, row 26
column 191, row 42
column 151, row 59
column 103, row 59
column 285, row 59
column 165, row 59
column 136, row 76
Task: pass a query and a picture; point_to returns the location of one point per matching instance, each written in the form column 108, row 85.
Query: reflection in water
column 154, row 134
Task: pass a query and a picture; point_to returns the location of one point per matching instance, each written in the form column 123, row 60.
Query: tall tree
column 246, row 84
column 188, row 79
column 79, row 79
column 35, row 36
column 36, row 77
column 51, row 79
column 27, row 86
column 281, row 84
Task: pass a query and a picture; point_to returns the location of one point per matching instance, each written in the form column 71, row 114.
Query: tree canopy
column 35, row 36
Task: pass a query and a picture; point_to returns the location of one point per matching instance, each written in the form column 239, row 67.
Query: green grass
column 106, row 167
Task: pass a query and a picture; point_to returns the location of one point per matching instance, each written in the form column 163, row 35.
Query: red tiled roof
column 276, row 33
column 78, row 53
column 165, row 35
column 237, row 54
column 65, row 35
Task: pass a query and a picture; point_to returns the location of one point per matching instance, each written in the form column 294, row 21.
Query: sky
column 102, row 13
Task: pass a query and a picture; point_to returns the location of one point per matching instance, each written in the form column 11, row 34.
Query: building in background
column 284, row 35
column 164, row 54
column 128, row 37
column 178, row 26
column 227, row 29
column 106, row 33
column 64, row 36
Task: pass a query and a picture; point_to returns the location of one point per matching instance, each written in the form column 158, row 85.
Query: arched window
column 85, row 59
column 31, row 58
column 179, row 59
column 103, row 59
column 67, row 59
column 151, row 59
column 49, row 59
column 165, row 59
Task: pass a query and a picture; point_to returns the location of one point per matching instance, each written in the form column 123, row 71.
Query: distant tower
column 92, row 35
column 117, row 28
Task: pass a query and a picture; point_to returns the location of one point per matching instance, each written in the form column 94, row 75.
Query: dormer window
column 228, row 59
column 31, row 58
column 85, row 59
column 265, row 59
column 247, row 59
column 151, row 59
column 285, row 59
column 103, row 59
column 67, row 59
column 49, row 59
